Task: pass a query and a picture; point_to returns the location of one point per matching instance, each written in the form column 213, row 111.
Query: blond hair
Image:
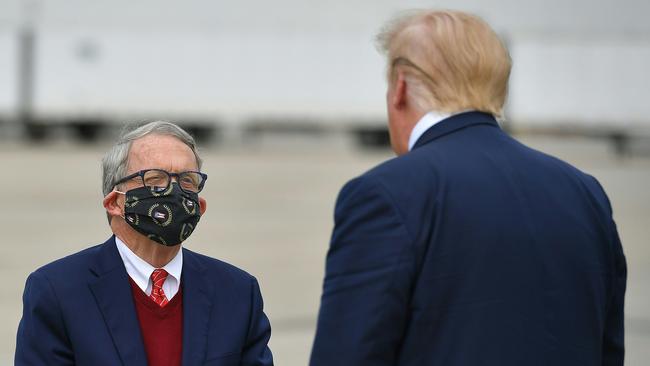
column 452, row 61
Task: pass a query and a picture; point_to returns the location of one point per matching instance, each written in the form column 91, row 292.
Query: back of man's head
column 452, row 60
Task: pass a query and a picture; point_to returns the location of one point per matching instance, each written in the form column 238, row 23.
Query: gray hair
column 116, row 160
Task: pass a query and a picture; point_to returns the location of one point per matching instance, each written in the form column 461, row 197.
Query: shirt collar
column 140, row 271
column 426, row 122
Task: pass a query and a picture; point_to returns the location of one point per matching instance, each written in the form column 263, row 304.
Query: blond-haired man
column 469, row 248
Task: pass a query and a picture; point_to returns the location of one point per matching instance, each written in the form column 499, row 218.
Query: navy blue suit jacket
column 79, row 310
column 472, row 249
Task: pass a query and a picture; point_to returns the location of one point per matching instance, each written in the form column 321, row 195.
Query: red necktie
column 157, row 294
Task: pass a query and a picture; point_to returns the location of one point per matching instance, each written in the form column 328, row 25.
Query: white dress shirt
column 140, row 271
column 426, row 122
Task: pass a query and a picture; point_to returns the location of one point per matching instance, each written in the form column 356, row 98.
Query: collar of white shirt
column 426, row 122
column 140, row 271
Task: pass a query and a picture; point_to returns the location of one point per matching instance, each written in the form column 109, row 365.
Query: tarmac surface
column 270, row 208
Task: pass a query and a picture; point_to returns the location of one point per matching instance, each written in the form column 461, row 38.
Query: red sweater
column 162, row 328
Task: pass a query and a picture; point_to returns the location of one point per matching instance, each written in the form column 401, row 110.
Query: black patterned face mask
column 167, row 217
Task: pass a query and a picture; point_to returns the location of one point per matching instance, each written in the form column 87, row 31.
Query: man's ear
column 112, row 205
column 203, row 205
column 399, row 95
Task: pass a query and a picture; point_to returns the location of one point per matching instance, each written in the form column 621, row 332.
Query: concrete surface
column 270, row 212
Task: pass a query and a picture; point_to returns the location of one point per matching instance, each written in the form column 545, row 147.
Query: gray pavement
column 269, row 212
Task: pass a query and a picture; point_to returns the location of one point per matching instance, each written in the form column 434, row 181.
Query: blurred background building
column 235, row 71
column 579, row 65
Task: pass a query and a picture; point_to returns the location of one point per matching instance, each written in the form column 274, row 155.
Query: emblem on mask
column 161, row 214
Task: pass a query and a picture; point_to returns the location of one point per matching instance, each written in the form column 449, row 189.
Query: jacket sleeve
column 368, row 277
column 613, row 347
column 42, row 338
column 257, row 352
column 614, row 335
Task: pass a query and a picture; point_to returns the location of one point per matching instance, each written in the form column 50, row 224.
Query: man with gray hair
column 139, row 298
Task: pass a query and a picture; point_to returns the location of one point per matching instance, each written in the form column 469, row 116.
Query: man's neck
column 425, row 122
column 146, row 249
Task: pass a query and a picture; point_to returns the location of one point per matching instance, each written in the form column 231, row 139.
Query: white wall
column 579, row 61
column 580, row 82
column 223, row 75
column 8, row 72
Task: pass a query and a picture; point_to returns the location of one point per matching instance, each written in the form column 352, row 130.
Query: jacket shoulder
column 217, row 267
column 400, row 176
column 589, row 182
column 71, row 265
column 399, row 165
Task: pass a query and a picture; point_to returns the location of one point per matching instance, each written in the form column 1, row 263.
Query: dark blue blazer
column 472, row 249
column 79, row 310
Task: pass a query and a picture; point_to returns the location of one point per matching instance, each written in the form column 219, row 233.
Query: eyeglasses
column 158, row 180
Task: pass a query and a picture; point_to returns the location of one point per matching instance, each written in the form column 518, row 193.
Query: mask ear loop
column 120, row 192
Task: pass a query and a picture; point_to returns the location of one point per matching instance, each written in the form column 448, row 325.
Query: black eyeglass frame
column 141, row 174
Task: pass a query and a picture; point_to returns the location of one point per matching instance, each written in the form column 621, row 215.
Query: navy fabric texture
column 472, row 249
column 79, row 310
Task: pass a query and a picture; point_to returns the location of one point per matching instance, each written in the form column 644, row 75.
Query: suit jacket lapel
column 196, row 310
column 455, row 123
column 115, row 300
